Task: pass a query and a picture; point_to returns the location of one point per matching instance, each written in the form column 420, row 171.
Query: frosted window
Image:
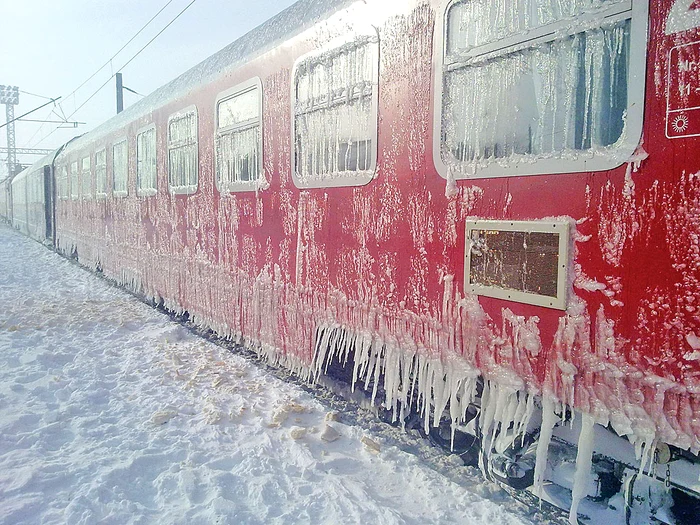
column 520, row 79
column 182, row 152
column 474, row 23
column 74, row 181
column 86, row 177
column 101, row 173
column 62, row 183
column 239, row 109
column 335, row 116
column 146, row 162
column 120, row 168
column 238, row 140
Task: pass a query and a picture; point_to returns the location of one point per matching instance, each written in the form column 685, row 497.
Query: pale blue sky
column 50, row 47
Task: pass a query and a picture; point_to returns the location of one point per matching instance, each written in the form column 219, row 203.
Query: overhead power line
column 120, row 69
column 35, row 95
column 121, row 49
column 100, row 68
column 51, row 111
column 28, row 112
column 157, row 35
column 132, row 58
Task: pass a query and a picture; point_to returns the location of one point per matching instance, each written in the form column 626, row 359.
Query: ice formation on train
column 416, row 349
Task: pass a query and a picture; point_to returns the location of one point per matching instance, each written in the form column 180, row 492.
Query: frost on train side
column 682, row 17
column 216, row 257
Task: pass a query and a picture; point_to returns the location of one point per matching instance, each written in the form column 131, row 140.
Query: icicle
column 488, row 409
column 646, row 454
column 549, row 419
column 583, row 466
column 635, row 161
column 451, row 189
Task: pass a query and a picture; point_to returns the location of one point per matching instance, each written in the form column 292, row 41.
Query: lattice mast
column 9, row 95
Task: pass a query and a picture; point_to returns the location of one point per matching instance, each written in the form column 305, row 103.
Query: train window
column 239, row 138
column 146, row 162
column 527, row 89
column 86, row 178
column 183, row 158
column 335, row 115
column 74, row 181
column 101, row 173
column 62, row 183
column 120, row 169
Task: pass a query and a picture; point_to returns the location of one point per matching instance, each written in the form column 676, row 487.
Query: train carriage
column 485, row 213
column 32, row 200
column 5, row 200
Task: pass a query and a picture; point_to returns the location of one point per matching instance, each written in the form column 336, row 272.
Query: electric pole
column 120, row 93
column 9, row 95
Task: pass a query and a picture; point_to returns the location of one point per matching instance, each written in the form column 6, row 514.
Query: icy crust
column 427, row 363
column 597, row 379
column 682, row 17
column 418, row 355
column 432, row 357
column 423, row 363
column 409, row 381
column 657, row 377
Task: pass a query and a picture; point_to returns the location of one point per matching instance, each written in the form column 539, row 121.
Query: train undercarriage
column 541, row 461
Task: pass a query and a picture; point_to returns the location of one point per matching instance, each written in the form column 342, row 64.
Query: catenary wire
column 105, row 64
column 34, row 95
column 120, row 49
column 121, row 68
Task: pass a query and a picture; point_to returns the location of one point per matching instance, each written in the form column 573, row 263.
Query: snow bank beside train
column 111, row 413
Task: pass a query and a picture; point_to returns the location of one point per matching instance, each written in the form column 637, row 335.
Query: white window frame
column 191, row 188
column 74, row 181
column 369, row 36
column 140, row 190
column 560, row 227
column 125, row 192
column 240, row 89
column 102, row 173
column 83, row 193
column 566, row 161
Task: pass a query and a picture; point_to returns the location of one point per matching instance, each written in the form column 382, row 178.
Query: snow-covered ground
column 112, row 413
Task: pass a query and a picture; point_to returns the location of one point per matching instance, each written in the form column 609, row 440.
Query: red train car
column 487, row 213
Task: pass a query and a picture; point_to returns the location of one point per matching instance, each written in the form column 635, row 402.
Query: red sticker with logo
column 683, row 96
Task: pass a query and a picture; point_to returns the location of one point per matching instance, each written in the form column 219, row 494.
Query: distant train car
column 32, row 200
column 5, row 200
column 485, row 213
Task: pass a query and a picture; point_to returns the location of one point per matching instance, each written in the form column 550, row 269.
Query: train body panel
column 309, row 192
column 5, row 200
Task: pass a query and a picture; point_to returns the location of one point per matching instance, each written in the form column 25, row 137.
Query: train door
column 49, row 208
column 8, row 197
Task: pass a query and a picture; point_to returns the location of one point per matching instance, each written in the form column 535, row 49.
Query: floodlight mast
column 9, row 95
